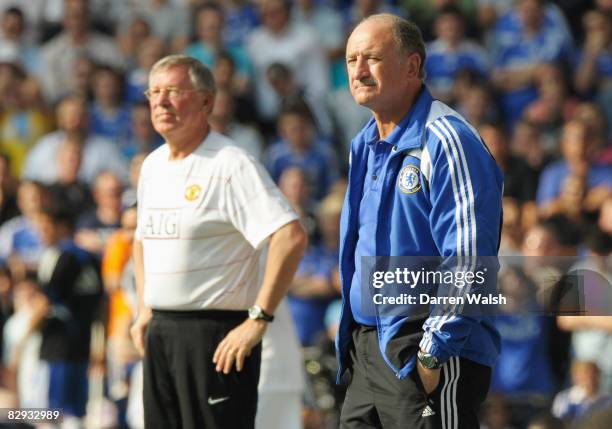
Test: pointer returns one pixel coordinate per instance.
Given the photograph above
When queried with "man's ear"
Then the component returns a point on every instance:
(209, 101)
(414, 65)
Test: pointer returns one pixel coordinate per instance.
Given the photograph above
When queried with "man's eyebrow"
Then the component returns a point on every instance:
(365, 52)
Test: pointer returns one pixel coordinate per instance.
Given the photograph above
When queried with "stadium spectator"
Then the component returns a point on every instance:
(526, 38)
(546, 421)
(8, 189)
(21, 344)
(210, 22)
(329, 25)
(130, 41)
(129, 194)
(551, 107)
(313, 289)
(109, 114)
(142, 137)
(326, 21)
(592, 331)
(20, 245)
(117, 273)
(223, 121)
(287, 89)
(523, 372)
(512, 230)
(14, 41)
(477, 104)
(240, 19)
(605, 216)
(496, 413)
(94, 228)
(168, 20)
(294, 185)
(150, 51)
(451, 52)
(594, 65)
(73, 288)
(300, 146)
(99, 154)
(577, 160)
(224, 73)
(69, 191)
(22, 122)
(297, 46)
(84, 68)
(525, 143)
(59, 55)
(597, 127)
(360, 9)
(33, 12)
(519, 181)
(583, 397)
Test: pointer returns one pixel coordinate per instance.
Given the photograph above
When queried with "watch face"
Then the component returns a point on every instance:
(429, 361)
(254, 312)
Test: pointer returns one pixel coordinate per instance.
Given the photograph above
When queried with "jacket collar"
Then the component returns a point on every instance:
(407, 134)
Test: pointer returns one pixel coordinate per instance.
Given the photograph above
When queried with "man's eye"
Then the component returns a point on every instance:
(172, 92)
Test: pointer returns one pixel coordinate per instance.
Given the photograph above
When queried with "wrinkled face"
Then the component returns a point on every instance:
(181, 112)
(379, 77)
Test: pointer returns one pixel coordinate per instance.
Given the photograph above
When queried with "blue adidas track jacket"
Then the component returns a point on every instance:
(455, 213)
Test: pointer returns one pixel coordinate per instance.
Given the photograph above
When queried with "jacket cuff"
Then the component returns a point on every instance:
(430, 344)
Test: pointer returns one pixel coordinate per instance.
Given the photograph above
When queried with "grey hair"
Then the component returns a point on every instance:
(200, 75)
(407, 36)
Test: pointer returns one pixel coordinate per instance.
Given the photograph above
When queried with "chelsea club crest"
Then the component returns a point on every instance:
(409, 179)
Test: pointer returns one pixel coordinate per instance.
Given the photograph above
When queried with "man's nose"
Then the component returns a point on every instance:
(361, 69)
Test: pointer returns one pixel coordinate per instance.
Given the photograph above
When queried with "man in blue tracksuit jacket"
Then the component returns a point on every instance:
(421, 184)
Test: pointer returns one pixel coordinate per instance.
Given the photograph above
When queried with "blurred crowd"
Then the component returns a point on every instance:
(534, 77)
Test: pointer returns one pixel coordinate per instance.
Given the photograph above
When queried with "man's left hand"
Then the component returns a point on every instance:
(237, 345)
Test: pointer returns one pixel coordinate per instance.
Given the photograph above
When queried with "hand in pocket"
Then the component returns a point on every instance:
(429, 377)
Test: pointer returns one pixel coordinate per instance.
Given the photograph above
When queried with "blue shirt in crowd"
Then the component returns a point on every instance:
(553, 177)
(443, 63)
(318, 163)
(514, 50)
(523, 366)
(309, 313)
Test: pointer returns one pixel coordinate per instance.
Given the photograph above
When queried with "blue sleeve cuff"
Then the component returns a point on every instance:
(430, 344)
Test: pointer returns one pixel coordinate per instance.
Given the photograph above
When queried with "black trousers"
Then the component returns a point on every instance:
(376, 398)
(182, 389)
